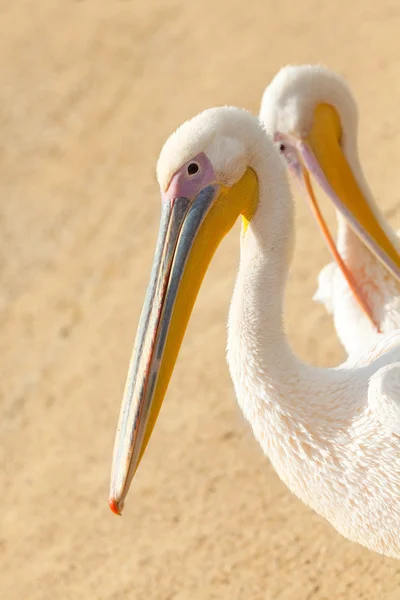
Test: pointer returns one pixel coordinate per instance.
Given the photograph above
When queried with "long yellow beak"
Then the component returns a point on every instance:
(190, 232)
(323, 157)
(351, 281)
(320, 155)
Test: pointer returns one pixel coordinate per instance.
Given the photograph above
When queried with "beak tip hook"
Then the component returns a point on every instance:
(113, 504)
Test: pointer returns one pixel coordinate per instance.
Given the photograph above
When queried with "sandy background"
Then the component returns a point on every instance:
(89, 90)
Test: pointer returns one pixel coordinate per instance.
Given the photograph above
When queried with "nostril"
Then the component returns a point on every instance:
(193, 168)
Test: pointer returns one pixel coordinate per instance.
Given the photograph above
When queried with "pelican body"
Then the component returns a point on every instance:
(331, 434)
(313, 108)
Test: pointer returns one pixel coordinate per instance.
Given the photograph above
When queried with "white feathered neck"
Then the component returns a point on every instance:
(314, 424)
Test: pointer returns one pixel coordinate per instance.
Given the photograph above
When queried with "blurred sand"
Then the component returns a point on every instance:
(89, 91)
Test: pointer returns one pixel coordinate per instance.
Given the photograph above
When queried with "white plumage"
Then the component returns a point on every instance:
(287, 106)
(382, 291)
(321, 428)
(329, 433)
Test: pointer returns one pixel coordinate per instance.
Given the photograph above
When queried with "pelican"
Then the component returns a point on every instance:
(313, 117)
(331, 434)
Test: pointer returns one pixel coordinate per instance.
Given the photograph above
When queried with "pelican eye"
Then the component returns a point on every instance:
(193, 168)
(282, 148)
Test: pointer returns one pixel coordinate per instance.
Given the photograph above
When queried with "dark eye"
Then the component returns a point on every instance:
(282, 148)
(193, 168)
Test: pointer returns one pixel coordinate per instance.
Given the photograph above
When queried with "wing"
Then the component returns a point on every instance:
(384, 397)
(324, 293)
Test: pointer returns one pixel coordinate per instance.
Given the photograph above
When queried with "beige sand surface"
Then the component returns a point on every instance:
(89, 90)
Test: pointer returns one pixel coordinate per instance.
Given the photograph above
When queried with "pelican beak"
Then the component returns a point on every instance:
(190, 232)
(322, 156)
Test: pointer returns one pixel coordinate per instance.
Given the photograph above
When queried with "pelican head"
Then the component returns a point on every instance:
(206, 182)
(312, 116)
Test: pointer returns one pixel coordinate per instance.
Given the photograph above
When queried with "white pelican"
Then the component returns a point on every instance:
(313, 117)
(331, 434)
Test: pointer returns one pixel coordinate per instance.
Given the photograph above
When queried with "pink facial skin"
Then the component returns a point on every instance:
(285, 147)
(188, 182)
